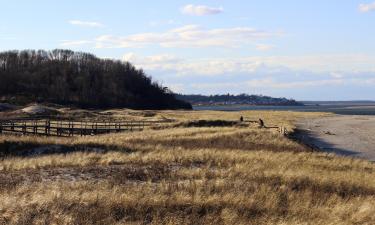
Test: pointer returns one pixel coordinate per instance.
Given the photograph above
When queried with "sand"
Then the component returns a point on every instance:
(39, 110)
(341, 134)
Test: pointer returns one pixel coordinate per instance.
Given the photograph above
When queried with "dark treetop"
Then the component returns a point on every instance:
(82, 79)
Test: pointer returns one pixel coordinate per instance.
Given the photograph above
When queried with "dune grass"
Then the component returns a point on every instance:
(184, 175)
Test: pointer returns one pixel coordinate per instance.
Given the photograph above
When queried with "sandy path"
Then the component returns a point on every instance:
(344, 135)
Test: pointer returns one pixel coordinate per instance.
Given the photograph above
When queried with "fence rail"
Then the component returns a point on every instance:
(70, 128)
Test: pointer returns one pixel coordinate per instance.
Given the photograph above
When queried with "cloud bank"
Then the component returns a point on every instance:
(333, 65)
(200, 10)
(311, 77)
(189, 36)
(367, 7)
(85, 23)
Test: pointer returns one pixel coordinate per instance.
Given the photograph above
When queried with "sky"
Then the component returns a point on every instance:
(305, 50)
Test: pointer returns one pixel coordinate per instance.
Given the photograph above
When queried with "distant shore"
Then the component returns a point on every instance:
(342, 108)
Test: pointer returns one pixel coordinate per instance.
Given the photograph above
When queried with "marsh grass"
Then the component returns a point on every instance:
(184, 175)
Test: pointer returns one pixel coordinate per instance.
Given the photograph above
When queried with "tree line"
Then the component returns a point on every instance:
(82, 79)
(237, 99)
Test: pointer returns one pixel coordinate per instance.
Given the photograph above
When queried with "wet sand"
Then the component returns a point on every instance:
(343, 135)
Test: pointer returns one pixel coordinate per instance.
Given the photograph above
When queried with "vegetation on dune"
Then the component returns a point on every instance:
(185, 175)
(67, 77)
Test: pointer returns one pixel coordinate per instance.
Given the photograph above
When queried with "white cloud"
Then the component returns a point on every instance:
(130, 57)
(177, 87)
(85, 23)
(266, 83)
(154, 59)
(367, 7)
(201, 10)
(333, 66)
(272, 83)
(337, 75)
(68, 43)
(264, 47)
(292, 76)
(155, 23)
(167, 62)
(322, 63)
(165, 58)
(210, 86)
(188, 36)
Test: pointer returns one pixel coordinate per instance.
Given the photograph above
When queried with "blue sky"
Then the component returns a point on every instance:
(307, 50)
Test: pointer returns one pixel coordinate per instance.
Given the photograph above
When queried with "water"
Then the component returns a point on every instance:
(338, 108)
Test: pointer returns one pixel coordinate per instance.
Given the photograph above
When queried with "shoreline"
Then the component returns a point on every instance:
(343, 135)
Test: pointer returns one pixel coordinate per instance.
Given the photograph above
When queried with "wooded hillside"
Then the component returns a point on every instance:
(82, 79)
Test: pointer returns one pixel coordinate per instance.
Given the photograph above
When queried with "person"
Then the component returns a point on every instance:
(261, 123)
(241, 118)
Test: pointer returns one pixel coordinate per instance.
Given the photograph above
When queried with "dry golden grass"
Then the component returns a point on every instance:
(181, 175)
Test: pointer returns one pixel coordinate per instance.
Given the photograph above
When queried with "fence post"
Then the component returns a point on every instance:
(283, 130)
(24, 128)
(49, 127)
(46, 128)
(58, 130)
(72, 129)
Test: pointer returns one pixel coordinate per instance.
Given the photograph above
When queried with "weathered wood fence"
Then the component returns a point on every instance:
(281, 129)
(68, 128)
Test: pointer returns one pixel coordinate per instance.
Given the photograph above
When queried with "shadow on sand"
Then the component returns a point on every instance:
(308, 138)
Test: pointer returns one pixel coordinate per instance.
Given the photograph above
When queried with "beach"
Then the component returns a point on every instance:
(348, 135)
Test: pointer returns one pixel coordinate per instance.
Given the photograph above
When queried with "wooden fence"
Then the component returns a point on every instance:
(49, 127)
(69, 128)
(281, 129)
